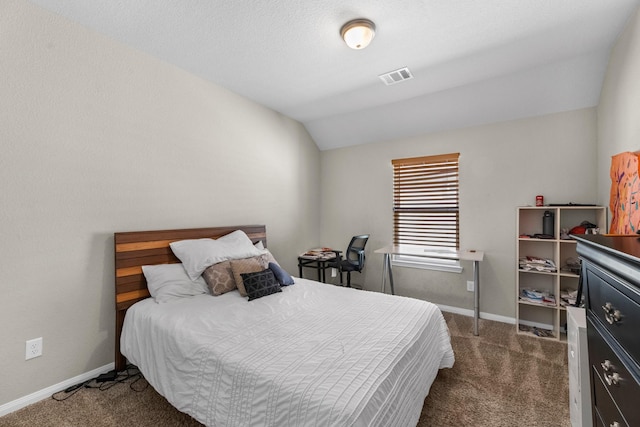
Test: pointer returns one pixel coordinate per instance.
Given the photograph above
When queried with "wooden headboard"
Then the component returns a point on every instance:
(133, 249)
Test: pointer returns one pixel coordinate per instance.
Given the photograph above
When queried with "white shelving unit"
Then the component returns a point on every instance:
(549, 317)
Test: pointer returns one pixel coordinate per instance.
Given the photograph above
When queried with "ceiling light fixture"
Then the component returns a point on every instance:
(357, 34)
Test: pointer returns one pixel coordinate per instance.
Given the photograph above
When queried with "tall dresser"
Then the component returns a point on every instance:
(611, 284)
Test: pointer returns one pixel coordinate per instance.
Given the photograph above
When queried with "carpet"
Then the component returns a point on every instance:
(499, 379)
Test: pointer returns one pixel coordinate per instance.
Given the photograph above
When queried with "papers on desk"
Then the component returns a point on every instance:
(320, 254)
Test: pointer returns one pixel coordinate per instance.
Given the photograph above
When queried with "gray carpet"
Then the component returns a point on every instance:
(499, 379)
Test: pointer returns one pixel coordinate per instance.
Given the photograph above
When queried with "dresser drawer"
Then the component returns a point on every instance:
(606, 409)
(621, 385)
(611, 279)
(617, 311)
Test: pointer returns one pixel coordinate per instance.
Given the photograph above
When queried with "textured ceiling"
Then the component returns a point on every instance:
(473, 61)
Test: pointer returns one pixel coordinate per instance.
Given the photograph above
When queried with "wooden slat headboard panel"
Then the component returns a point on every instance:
(133, 249)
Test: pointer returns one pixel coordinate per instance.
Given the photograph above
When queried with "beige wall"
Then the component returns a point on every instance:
(502, 166)
(619, 107)
(97, 138)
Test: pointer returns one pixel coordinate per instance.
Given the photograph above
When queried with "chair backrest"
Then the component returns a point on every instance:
(355, 251)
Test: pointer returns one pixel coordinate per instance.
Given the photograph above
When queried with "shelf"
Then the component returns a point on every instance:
(532, 239)
(565, 274)
(549, 273)
(536, 304)
(561, 252)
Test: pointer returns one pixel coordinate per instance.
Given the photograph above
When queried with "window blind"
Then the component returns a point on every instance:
(425, 201)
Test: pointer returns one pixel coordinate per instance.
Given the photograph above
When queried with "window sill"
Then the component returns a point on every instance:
(428, 264)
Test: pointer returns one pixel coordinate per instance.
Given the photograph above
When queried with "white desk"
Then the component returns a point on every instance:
(466, 255)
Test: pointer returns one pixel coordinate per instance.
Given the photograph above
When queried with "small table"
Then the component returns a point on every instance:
(317, 259)
(468, 255)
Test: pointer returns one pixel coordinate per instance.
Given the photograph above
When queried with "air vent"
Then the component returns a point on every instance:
(396, 76)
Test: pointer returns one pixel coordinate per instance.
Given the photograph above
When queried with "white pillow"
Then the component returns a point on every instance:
(259, 246)
(199, 254)
(167, 282)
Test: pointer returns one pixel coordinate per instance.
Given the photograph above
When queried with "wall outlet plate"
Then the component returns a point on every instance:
(33, 348)
(470, 285)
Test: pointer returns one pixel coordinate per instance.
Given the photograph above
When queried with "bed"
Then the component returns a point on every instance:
(311, 354)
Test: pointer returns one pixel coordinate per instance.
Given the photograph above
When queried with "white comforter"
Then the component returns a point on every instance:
(313, 355)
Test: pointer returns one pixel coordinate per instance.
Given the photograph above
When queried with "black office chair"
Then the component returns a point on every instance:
(354, 258)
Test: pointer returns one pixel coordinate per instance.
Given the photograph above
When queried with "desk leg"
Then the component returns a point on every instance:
(390, 270)
(476, 297)
(384, 272)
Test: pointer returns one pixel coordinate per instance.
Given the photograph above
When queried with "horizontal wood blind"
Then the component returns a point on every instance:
(425, 201)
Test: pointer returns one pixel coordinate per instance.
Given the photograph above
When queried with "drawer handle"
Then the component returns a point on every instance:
(610, 314)
(615, 424)
(612, 379)
(606, 365)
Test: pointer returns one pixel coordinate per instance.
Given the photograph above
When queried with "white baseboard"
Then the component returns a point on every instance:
(45, 393)
(504, 319)
(469, 313)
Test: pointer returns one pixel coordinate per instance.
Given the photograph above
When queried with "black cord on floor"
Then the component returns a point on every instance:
(131, 374)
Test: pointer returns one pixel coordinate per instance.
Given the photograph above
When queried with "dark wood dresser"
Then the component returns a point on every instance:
(611, 285)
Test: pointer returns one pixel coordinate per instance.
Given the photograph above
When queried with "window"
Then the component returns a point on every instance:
(425, 208)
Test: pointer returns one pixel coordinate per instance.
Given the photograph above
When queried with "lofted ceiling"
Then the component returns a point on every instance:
(473, 61)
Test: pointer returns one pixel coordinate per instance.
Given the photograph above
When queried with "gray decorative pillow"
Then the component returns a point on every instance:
(246, 265)
(260, 284)
(219, 278)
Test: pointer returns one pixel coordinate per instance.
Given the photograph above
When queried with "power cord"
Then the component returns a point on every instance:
(103, 382)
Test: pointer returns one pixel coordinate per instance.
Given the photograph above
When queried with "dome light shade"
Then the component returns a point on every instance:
(357, 34)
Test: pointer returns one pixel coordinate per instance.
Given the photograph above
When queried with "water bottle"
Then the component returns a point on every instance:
(547, 223)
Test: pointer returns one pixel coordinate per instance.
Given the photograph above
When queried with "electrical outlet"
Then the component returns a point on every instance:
(34, 348)
(470, 285)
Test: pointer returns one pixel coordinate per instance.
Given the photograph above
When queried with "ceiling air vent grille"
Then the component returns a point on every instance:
(396, 76)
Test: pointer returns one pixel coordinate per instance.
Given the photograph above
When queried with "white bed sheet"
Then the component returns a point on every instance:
(313, 355)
